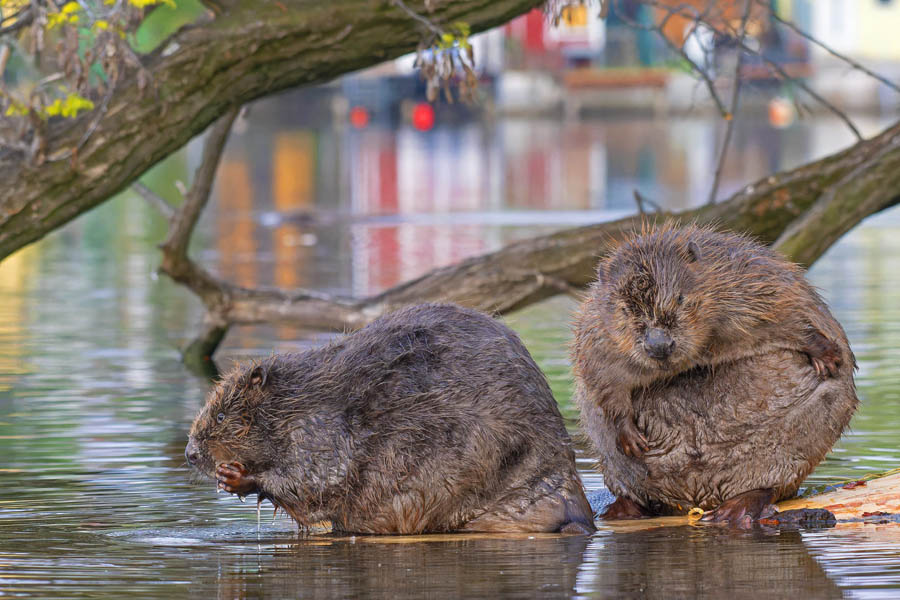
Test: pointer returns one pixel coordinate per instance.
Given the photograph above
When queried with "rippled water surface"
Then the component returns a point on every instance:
(94, 403)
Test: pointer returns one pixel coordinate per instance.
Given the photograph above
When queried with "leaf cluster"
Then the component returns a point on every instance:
(60, 59)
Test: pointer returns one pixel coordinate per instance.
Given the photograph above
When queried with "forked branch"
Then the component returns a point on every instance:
(819, 201)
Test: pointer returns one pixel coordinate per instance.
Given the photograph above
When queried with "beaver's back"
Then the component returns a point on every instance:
(440, 361)
(760, 422)
(455, 427)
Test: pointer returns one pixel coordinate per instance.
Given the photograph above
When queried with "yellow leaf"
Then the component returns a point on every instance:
(101, 24)
(70, 7)
(16, 109)
(54, 109)
(145, 3)
(55, 19)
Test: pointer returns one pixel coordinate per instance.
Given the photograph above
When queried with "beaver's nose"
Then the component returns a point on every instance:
(191, 454)
(658, 343)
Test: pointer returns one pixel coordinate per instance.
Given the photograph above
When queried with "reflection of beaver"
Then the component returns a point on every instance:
(709, 373)
(434, 418)
(708, 563)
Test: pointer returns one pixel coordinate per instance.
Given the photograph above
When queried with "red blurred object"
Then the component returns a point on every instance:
(423, 116)
(359, 117)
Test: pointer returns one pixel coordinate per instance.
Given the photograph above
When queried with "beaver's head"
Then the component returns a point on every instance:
(234, 424)
(659, 315)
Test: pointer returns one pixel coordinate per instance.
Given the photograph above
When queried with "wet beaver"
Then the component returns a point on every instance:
(709, 373)
(431, 419)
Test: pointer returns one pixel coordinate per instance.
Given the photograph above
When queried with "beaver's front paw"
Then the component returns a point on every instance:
(235, 479)
(824, 355)
(630, 440)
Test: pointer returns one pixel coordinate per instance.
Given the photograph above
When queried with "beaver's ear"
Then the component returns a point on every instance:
(693, 251)
(609, 269)
(259, 376)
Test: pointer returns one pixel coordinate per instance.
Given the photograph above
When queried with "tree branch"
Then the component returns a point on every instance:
(154, 199)
(23, 19)
(658, 28)
(732, 112)
(185, 218)
(253, 50)
(688, 11)
(869, 188)
(795, 207)
(175, 260)
(843, 57)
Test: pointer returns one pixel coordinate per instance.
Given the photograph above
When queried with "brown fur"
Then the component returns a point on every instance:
(758, 386)
(434, 418)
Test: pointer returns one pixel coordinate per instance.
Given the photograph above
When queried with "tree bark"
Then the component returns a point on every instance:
(256, 48)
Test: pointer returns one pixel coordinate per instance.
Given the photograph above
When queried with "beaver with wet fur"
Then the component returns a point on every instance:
(431, 419)
(709, 373)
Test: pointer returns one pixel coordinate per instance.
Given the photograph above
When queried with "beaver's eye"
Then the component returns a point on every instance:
(220, 417)
(680, 299)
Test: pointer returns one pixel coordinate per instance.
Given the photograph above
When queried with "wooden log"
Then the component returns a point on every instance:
(855, 500)
(849, 503)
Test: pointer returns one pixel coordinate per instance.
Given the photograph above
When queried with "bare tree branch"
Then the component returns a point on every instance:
(832, 195)
(154, 199)
(640, 200)
(658, 28)
(843, 57)
(802, 85)
(185, 219)
(5, 52)
(688, 11)
(427, 23)
(732, 112)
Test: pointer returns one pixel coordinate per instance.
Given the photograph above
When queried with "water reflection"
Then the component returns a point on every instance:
(398, 202)
(95, 405)
(708, 562)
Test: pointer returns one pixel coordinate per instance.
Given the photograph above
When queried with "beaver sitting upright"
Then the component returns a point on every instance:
(431, 419)
(709, 373)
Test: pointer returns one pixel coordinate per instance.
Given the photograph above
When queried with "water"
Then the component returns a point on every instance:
(94, 403)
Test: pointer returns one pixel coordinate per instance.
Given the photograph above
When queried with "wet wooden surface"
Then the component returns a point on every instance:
(851, 504)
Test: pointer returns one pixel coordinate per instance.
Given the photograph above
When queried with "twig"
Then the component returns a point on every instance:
(417, 17)
(834, 109)
(154, 199)
(856, 65)
(185, 219)
(735, 96)
(685, 11)
(641, 200)
(5, 52)
(658, 28)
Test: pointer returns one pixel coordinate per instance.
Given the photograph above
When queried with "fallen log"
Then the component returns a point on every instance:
(871, 499)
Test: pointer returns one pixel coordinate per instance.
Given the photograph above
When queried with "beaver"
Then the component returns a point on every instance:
(709, 373)
(433, 418)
